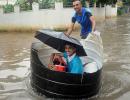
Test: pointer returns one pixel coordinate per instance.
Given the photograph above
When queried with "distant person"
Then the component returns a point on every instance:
(84, 18)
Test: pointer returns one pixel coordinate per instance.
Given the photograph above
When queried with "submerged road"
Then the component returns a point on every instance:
(15, 62)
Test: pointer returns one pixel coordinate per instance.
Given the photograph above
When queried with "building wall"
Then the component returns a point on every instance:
(48, 18)
(110, 11)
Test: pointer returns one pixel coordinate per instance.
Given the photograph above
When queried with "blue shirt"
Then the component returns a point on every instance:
(84, 21)
(75, 65)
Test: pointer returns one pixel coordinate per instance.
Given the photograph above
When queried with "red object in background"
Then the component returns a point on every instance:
(60, 68)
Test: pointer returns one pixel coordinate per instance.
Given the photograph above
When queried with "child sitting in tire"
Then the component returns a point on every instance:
(57, 62)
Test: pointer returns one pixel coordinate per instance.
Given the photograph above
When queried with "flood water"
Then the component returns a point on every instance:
(15, 63)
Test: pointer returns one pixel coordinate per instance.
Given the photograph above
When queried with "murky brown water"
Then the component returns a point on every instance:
(15, 62)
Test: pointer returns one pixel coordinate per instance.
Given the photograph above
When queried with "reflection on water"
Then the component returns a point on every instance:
(15, 63)
(116, 73)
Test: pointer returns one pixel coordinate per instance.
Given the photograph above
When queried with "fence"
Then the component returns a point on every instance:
(58, 17)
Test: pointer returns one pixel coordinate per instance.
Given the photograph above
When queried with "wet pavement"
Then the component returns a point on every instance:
(15, 62)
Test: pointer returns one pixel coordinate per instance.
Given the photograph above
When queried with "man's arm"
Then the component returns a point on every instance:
(93, 23)
(92, 19)
(70, 29)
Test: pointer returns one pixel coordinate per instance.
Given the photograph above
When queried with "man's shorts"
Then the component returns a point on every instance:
(83, 36)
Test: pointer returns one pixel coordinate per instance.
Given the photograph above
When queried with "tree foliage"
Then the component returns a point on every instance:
(27, 4)
(126, 2)
(46, 4)
(103, 1)
(24, 4)
(8, 8)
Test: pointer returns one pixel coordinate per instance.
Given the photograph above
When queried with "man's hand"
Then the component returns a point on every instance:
(67, 34)
(70, 29)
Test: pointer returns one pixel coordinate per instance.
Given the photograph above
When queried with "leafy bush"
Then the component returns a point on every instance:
(8, 8)
(107, 1)
(25, 7)
(122, 10)
(46, 4)
(24, 4)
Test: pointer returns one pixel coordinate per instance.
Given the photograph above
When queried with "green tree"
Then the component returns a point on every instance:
(24, 5)
(107, 1)
(45, 4)
(126, 2)
(8, 8)
(103, 1)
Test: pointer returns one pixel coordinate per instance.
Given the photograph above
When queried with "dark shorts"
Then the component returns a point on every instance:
(83, 36)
